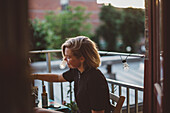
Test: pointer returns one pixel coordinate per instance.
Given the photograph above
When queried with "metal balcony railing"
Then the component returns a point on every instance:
(128, 87)
(110, 81)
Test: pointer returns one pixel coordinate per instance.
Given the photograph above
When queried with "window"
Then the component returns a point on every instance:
(64, 4)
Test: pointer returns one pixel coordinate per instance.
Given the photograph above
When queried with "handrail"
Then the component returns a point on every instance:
(104, 53)
(132, 86)
(45, 51)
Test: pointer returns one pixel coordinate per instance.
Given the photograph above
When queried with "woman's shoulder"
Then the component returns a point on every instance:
(73, 70)
(96, 77)
(95, 73)
(70, 73)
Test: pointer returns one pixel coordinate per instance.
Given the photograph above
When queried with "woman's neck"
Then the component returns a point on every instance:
(81, 68)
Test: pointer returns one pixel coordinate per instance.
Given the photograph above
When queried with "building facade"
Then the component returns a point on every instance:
(38, 8)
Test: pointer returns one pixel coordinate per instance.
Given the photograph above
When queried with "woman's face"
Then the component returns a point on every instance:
(71, 60)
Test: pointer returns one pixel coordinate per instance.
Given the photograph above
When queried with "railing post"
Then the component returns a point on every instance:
(61, 92)
(112, 86)
(136, 101)
(70, 93)
(128, 104)
(50, 84)
(120, 93)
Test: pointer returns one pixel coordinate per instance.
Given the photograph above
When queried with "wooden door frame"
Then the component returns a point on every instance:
(156, 96)
(166, 55)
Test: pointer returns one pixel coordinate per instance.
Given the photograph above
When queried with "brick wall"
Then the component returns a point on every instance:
(92, 7)
(38, 8)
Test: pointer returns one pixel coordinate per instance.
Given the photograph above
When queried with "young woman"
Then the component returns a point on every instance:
(90, 86)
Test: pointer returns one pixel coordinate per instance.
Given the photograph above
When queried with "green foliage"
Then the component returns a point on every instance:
(125, 25)
(38, 39)
(69, 23)
(73, 106)
(51, 32)
(132, 27)
(55, 28)
(109, 29)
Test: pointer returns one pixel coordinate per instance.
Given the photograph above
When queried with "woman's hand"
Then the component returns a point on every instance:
(34, 76)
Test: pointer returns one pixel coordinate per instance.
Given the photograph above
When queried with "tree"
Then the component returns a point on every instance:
(131, 28)
(126, 24)
(68, 23)
(39, 33)
(109, 29)
(51, 32)
(39, 38)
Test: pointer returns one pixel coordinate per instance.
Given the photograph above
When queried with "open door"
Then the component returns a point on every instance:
(156, 79)
(157, 51)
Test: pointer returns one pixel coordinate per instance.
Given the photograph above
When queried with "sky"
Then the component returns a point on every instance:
(125, 3)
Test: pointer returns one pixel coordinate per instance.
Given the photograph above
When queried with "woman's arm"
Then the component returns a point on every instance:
(50, 77)
(43, 110)
(102, 111)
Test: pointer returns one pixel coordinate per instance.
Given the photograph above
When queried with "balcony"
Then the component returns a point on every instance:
(110, 62)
